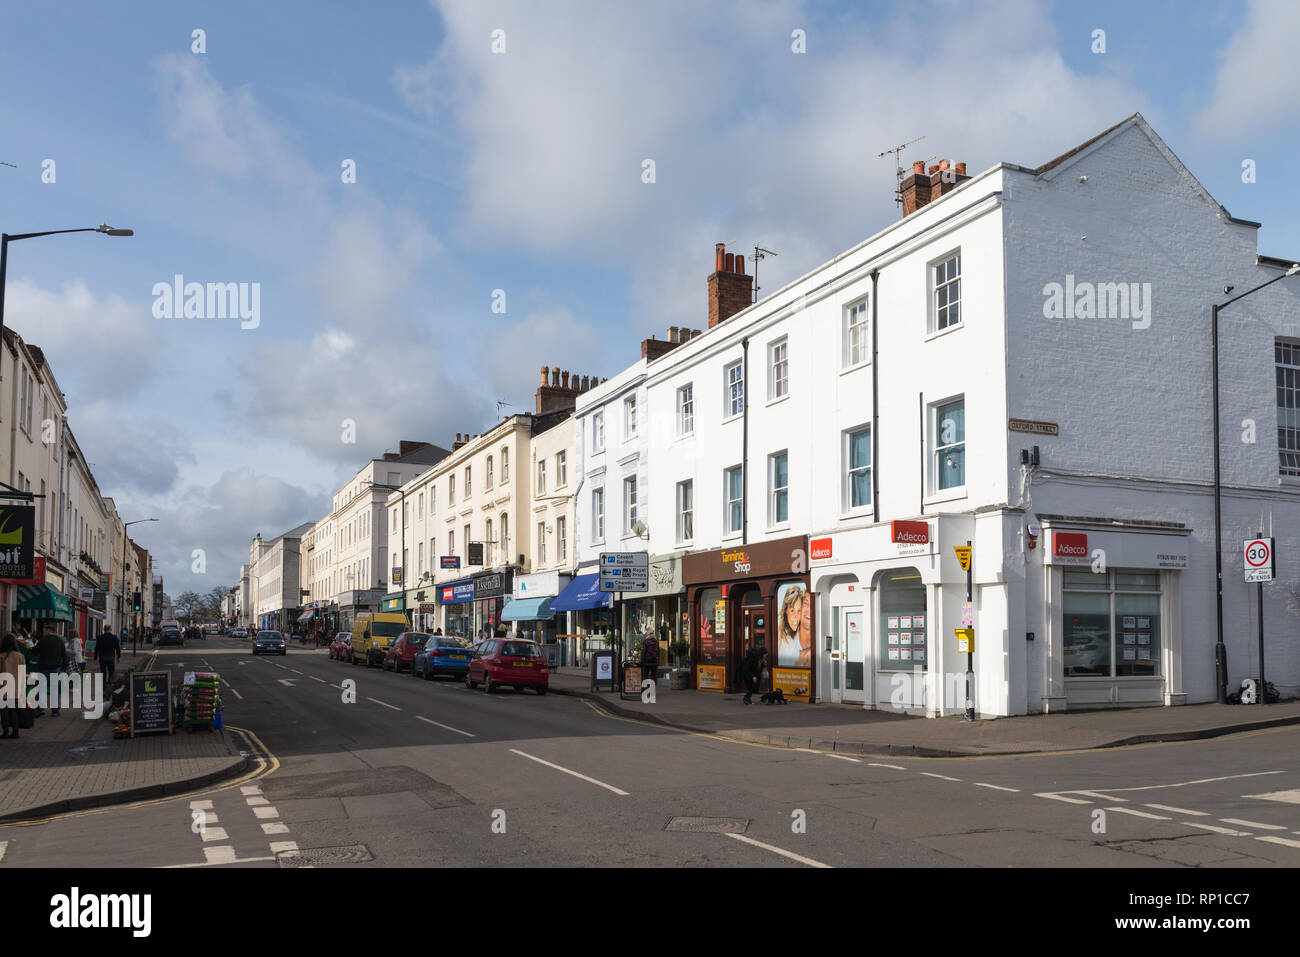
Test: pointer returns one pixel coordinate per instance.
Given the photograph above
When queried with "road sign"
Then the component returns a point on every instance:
(965, 639)
(963, 556)
(1258, 560)
(624, 571)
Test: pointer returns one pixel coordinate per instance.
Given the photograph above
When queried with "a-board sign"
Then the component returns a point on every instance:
(151, 702)
(602, 671)
(632, 681)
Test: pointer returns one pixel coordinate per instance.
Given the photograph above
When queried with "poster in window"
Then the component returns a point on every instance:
(893, 654)
(1143, 622)
(918, 621)
(794, 626)
(893, 637)
(1130, 621)
(1130, 654)
(907, 654)
(892, 621)
(1144, 654)
(918, 638)
(906, 622)
(905, 638)
(1130, 638)
(1144, 638)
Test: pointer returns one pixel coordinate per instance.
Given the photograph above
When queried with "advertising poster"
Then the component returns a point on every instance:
(794, 683)
(17, 541)
(918, 638)
(1130, 638)
(893, 637)
(1130, 654)
(918, 621)
(794, 626)
(1144, 638)
(893, 621)
(893, 654)
(1144, 654)
(1143, 622)
(905, 638)
(907, 654)
(710, 677)
(1130, 621)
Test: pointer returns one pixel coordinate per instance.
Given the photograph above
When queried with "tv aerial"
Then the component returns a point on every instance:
(759, 253)
(898, 166)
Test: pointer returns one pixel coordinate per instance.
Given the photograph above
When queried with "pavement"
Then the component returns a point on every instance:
(69, 762)
(852, 729)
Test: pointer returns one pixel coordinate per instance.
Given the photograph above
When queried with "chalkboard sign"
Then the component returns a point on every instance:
(151, 702)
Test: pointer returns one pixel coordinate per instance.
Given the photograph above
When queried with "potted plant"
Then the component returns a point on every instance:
(680, 677)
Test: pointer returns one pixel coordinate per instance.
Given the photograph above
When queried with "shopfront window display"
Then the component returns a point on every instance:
(794, 626)
(1112, 623)
(904, 632)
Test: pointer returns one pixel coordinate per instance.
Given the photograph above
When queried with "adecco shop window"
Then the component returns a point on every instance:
(1112, 623)
(904, 624)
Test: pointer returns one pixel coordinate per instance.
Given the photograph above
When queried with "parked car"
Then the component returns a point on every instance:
(171, 636)
(402, 650)
(239, 633)
(508, 661)
(269, 642)
(341, 647)
(443, 655)
(372, 632)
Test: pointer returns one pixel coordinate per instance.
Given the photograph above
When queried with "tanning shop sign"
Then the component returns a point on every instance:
(17, 541)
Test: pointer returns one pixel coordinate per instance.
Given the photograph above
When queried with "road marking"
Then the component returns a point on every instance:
(280, 847)
(842, 757)
(213, 834)
(1129, 810)
(3, 845)
(235, 693)
(295, 671)
(287, 682)
(233, 860)
(1289, 797)
(275, 827)
(265, 812)
(608, 787)
(385, 704)
(421, 717)
(219, 855)
(1218, 830)
(257, 801)
(1280, 840)
(997, 787)
(1099, 796)
(1057, 797)
(251, 789)
(1254, 824)
(321, 680)
(776, 850)
(931, 774)
(892, 767)
(1178, 810)
(1183, 784)
(200, 805)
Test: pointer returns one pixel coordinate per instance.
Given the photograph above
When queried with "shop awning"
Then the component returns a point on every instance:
(528, 609)
(43, 603)
(583, 593)
(307, 615)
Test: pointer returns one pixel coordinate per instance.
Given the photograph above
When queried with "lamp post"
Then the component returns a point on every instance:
(7, 238)
(135, 638)
(1220, 649)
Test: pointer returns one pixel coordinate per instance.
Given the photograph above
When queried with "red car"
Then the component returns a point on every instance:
(401, 650)
(508, 661)
(341, 647)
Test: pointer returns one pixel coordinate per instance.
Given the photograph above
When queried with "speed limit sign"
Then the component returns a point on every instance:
(1258, 560)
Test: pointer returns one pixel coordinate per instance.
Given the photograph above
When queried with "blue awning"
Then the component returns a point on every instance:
(583, 593)
(528, 609)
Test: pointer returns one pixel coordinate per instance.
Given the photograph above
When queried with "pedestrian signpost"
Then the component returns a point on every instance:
(1257, 559)
(966, 635)
(620, 572)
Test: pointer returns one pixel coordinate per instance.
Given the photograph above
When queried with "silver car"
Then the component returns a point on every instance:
(269, 642)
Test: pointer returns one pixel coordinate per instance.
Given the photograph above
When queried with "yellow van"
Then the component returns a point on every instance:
(372, 634)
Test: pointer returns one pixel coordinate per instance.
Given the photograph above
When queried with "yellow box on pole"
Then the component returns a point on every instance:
(965, 639)
(963, 556)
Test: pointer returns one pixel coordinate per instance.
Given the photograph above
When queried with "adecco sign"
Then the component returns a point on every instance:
(1119, 548)
(1070, 548)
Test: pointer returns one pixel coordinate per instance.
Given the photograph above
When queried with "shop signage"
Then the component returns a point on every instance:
(1258, 560)
(17, 541)
(106, 582)
(428, 608)
(475, 553)
(456, 593)
(632, 681)
(1032, 427)
(758, 560)
(1070, 548)
(450, 561)
(820, 549)
(794, 683)
(602, 671)
(86, 595)
(539, 584)
(665, 576)
(710, 677)
(720, 617)
(909, 533)
(38, 574)
(100, 602)
(397, 576)
(151, 702)
(490, 586)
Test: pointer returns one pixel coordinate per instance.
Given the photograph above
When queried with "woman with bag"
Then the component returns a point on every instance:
(11, 660)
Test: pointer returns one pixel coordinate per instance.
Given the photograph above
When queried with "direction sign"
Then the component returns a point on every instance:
(1258, 560)
(963, 556)
(624, 571)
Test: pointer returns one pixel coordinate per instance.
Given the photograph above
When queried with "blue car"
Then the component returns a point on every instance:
(443, 655)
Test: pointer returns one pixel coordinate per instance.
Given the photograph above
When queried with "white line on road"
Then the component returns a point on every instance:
(251, 789)
(1099, 796)
(1254, 824)
(1178, 810)
(944, 777)
(842, 757)
(235, 693)
(274, 827)
(1057, 797)
(233, 860)
(214, 834)
(1146, 814)
(3, 845)
(280, 847)
(321, 680)
(266, 812)
(200, 805)
(1218, 830)
(776, 850)
(1280, 840)
(1288, 797)
(997, 787)
(421, 717)
(219, 855)
(295, 671)
(892, 767)
(256, 800)
(384, 703)
(608, 787)
(1183, 784)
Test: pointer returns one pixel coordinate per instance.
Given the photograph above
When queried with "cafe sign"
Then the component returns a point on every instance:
(17, 541)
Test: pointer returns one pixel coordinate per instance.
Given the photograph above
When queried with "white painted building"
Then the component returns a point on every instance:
(891, 395)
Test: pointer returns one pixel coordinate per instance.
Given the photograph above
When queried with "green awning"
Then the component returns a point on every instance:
(43, 603)
(528, 609)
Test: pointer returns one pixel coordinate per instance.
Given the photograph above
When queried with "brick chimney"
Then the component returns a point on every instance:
(559, 391)
(653, 348)
(730, 289)
(925, 186)
(460, 441)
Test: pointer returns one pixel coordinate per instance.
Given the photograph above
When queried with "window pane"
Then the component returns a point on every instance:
(860, 489)
(1137, 581)
(1076, 578)
(859, 449)
(952, 467)
(1137, 634)
(1086, 641)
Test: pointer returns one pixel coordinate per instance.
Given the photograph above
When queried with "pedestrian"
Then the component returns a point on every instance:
(751, 669)
(52, 655)
(12, 664)
(650, 657)
(107, 651)
(76, 660)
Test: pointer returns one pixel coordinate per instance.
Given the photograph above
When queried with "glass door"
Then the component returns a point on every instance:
(835, 654)
(854, 657)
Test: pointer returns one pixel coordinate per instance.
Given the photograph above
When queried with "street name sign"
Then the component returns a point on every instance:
(624, 571)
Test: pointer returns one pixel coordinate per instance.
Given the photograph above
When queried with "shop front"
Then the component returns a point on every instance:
(530, 613)
(456, 602)
(749, 596)
(352, 603)
(394, 604)
(491, 592)
(422, 608)
(590, 615)
(661, 610)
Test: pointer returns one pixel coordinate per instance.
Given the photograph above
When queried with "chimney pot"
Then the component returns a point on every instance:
(555, 376)
(545, 372)
(945, 164)
(564, 380)
(934, 169)
(918, 167)
(961, 169)
(731, 262)
(674, 334)
(719, 252)
(740, 263)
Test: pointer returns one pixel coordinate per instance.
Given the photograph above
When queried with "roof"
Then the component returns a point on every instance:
(1052, 164)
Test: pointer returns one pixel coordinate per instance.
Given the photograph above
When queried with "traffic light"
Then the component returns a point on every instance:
(137, 600)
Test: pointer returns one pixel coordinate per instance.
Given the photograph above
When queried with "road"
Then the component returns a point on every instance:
(408, 772)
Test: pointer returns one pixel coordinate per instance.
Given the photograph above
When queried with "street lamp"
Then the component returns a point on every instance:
(135, 638)
(6, 239)
(1220, 649)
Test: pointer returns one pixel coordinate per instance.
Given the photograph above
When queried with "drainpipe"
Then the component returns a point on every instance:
(875, 406)
(920, 419)
(744, 447)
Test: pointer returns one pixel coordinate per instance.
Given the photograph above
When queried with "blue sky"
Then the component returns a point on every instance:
(518, 171)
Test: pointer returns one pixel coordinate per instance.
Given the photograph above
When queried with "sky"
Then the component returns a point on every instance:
(511, 167)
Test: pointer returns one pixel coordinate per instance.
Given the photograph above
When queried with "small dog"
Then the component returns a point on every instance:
(774, 697)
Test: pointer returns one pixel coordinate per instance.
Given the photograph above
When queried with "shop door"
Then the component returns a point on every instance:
(854, 656)
(754, 635)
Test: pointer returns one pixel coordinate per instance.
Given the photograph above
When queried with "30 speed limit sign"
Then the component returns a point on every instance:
(1259, 560)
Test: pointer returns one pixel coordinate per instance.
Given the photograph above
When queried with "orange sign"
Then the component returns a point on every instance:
(795, 683)
(632, 681)
(710, 677)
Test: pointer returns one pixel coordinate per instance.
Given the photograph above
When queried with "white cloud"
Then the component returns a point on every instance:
(1257, 85)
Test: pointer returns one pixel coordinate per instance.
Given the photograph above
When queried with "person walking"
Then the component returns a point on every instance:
(107, 650)
(52, 656)
(76, 660)
(751, 669)
(650, 657)
(12, 664)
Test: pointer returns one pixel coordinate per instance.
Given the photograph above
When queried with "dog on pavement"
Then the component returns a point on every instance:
(774, 697)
